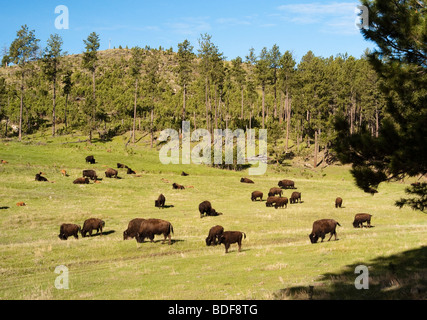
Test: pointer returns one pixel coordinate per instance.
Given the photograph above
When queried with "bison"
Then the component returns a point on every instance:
(130, 171)
(177, 186)
(121, 166)
(287, 184)
(91, 174)
(295, 197)
(323, 227)
(205, 207)
(257, 194)
(111, 173)
(68, 230)
(81, 181)
(92, 224)
(275, 191)
(133, 229)
(246, 180)
(271, 201)
(230, 237)
(151, 227)
(184, 174)
(338, 202)
(40, 178)
(160, 202)
(214, 234)
(90, 159)
(281, 202)
(360, 218)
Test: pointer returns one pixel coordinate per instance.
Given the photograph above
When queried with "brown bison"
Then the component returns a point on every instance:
(271, 201)
(92, 224)
(275, 191)
(246, 180)
(295, 197)
(177, 186)
(40, 178)
(111, 173)
(206, 208)
(121, 166)
(160, 202)
(281, 202)
(133, 229)
(214, 234)
(68, 230)
(361, 218)
(130, 171)
(151, 227)
(230, 237)
(257, 194)
(90, 159)
(91, 174)
(287, 184)
(184, 174)
(81, 181)
(338, 203)
(323, 227)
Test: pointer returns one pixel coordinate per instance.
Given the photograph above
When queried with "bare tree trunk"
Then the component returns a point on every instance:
(377, 123)
(242, 115)
(54, 109)
(184, 102)
(65, 111)
(134, 110)
(21, 107)
(151, 127)
(288, 104)
(316, 148)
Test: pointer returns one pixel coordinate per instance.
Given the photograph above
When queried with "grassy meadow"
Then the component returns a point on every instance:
(277, 261)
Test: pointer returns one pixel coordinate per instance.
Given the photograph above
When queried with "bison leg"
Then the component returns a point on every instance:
(227, 246)
(240, 245)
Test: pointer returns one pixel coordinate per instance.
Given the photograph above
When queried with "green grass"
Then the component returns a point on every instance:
(277, 261)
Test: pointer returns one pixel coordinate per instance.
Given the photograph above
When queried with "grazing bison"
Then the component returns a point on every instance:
(81, 181)
(111, 173)
(90, 159)
(281, 202)
(133, 229)
(323, 227)
(271, 201)
(205, 207)
(360, 218)
(214, 234)
(246, 180)
(295, 197)
(40, 178)
(230, 237)
(338, 203)
(130, 171)
(91, 174)
(275, 191)
(287, 184)
(151, 227)
(177, 186)
(160, 202)
(68, 230)
(257, 194)
(92, 224)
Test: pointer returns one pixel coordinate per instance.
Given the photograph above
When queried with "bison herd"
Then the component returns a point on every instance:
(141, 229)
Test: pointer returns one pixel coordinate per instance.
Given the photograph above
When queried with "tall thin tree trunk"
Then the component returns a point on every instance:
(288, 104)
(316, 148)
(377, 123)
(134, 110)
(184, 102)
(151, 127)
(54, 108)
(242, 115)
(65, 111)
(263, 106)
(21, 108)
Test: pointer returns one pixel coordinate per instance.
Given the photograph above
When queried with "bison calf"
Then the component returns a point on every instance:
(214, 234)
(230, 237)
(323, 227)
(160, 202)
(338, 203)
(361, 218)
(133, 229)
(177, 186)
(257, 194)
(92, 224)
(68, 230)
(151, 227)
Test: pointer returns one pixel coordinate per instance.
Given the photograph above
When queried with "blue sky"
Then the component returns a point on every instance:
(325, 27)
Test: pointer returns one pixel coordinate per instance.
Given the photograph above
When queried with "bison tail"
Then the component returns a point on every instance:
(338, 224)
(244, 234)
(170, 228)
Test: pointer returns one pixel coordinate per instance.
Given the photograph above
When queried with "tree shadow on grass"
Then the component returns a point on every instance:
(401, 276)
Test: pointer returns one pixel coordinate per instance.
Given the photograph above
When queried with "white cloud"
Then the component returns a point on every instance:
(190, 26)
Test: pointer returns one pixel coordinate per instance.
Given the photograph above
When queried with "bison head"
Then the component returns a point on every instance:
(313, 238)
(125, 235)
